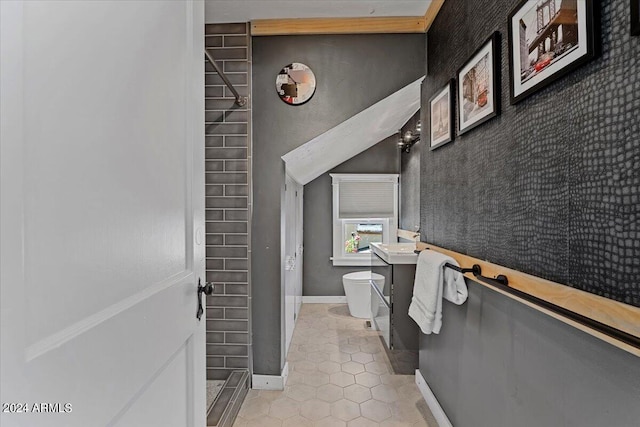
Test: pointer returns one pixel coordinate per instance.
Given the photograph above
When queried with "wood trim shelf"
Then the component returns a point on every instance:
(614, 314)
(365, 25)
(301, 26)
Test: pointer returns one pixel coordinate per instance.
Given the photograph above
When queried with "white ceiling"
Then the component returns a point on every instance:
(353, 136)
(219, 11)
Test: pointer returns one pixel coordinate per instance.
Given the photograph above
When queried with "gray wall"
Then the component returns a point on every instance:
(410, 180)
(549, 187)
(499, 363)
(321, 278)
(353, 72)
(227, 203)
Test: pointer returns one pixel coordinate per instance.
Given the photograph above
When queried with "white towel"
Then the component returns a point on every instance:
(433, 282)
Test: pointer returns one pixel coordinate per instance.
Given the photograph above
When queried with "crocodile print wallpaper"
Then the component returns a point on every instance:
(551, 186)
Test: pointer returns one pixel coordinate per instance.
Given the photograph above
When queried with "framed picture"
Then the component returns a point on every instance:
(479, 86)
(635, 17)
(442, 116)
(547, 40)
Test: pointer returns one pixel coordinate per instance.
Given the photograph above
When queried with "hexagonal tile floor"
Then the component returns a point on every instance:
(339, 375)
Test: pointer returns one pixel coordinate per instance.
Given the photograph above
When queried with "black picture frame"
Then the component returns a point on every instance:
(446, 95)
(469, 94)
(560, 49)
(635, 17)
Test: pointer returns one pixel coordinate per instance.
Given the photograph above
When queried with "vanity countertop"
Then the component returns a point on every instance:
(396, 253)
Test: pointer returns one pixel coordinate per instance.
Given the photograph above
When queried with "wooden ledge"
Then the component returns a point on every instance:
(365, 25)
(432, 12)
(623, 317)
(308, 26)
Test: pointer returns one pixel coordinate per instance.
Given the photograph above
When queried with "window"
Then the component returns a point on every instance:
(359, 235)
(365, 211)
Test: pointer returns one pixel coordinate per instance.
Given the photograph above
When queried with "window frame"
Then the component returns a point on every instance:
(389, 224)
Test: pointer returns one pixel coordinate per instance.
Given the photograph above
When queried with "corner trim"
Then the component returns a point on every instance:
(432, 402)
(324, 300)
(431, 13)
(271, 382)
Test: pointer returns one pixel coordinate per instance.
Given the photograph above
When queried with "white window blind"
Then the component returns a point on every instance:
(366, 199)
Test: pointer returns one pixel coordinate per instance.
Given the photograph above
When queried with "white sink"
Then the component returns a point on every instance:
(396, 253)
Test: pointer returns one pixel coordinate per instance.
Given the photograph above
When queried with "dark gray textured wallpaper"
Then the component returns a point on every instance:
(551, 186)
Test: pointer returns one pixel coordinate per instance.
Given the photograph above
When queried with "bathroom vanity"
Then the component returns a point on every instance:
(390, 308)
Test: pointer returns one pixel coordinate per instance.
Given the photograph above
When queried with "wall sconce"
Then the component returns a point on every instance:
(409, 138)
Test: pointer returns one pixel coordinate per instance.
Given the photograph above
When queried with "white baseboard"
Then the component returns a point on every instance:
(432, 402)
(271, 382)
(285, 374)
(325, 300)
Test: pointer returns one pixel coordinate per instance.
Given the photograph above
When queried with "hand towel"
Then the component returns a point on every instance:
(434, 281)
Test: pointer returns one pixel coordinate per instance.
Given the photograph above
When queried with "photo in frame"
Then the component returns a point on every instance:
(547, 40)
(635, 17)
(442, 117)
(478, 91)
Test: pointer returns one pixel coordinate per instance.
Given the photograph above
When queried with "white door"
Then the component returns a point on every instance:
(299, 247)
(289, 261)
(292, 258)
(102, 216)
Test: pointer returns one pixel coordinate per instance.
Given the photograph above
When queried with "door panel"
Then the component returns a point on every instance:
(102, 145)
(300, 247)
(101, 181)
(290, 272)
(143, 411)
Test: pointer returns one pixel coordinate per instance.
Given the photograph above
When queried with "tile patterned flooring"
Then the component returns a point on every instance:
(339, 375)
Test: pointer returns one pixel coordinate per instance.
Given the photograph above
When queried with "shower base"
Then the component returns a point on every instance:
(223, 410)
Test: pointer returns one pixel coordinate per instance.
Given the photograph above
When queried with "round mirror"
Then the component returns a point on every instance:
(295, 83)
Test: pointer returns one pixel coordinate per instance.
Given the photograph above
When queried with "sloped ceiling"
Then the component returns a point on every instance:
(220, 11)
(353, 136)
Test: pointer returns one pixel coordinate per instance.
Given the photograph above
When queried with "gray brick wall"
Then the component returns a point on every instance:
(228, 201)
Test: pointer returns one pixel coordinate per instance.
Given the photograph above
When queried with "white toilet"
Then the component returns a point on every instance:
(358, 292)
